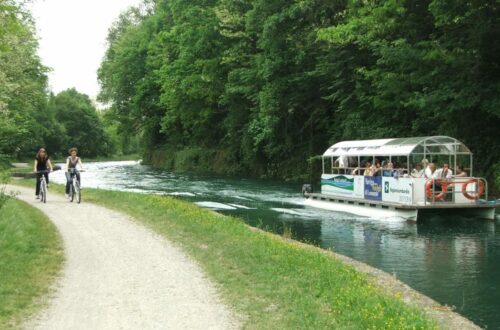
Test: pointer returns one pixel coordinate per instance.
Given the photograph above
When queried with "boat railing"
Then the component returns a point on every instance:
(360, 170)
(458, 190)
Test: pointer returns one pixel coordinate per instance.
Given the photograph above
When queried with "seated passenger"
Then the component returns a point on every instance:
(417, 172)
(396, 173)
(376, 169)
(460, 173)
(443, 172)
(386, 168)
(368, 170)
(429, 170)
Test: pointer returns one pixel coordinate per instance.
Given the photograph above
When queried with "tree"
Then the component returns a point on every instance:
(83, 127)
(23, 81)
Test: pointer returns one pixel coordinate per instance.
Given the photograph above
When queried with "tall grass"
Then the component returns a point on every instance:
(30, 257)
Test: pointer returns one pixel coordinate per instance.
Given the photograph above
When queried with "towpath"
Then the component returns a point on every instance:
(119, 275)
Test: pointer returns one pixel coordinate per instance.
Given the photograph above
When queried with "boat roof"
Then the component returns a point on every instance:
(425, 145)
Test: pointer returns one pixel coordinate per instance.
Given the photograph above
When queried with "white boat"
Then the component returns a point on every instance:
(400, 190)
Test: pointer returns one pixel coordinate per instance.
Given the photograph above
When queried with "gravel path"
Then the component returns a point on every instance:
(119, 275)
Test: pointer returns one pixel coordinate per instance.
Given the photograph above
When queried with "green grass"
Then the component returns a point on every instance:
(275, 283)
(31, 256)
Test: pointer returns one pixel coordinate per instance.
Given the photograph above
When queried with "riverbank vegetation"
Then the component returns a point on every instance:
(259, 87)
(274, 283)
(31, 255)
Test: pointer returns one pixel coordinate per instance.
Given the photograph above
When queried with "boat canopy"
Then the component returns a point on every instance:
(427, 145)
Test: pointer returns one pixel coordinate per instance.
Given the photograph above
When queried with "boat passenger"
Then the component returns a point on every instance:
(417, 172)
(395, 173)
(387, 168)
(343, 164)
(376, 169)
(425, 163)
(429, 170)
(368, 170)
(460, 173)
(443, 172)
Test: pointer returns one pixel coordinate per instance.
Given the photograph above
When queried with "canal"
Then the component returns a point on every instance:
(454, 260)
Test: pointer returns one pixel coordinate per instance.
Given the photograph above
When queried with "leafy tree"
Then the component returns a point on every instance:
(23, 81)
(127, 78)
(191, 76)
(82, 125)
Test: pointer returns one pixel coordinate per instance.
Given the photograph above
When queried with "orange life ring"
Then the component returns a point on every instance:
(429, 189)
(480, 189)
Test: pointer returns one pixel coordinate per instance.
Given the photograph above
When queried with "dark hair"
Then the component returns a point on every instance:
(72, 149)
(40, 151)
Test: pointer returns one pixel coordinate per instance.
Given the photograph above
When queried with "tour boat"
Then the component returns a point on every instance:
(381, 178)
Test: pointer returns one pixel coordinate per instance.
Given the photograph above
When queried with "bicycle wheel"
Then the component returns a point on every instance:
(78, 193)
(43, 192)
(71, 192)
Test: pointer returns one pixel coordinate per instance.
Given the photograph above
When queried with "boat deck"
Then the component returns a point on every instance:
(419, 206)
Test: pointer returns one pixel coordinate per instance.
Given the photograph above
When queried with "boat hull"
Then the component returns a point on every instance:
(381, 210)
(367, 210)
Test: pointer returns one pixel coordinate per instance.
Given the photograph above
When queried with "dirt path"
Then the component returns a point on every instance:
(119, 275)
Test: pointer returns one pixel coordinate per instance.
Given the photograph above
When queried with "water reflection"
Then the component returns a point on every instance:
(454, 260)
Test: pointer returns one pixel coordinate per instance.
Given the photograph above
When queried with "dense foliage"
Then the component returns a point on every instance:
(23, 80)
(260, 86)
(79, 124)
(30, 118)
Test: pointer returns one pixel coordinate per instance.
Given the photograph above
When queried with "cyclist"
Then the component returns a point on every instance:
(42, 163)
(71, 163)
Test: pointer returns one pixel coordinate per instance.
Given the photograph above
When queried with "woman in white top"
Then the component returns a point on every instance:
(443, 172)
(71, 164)
(417, 172)
(429, 170)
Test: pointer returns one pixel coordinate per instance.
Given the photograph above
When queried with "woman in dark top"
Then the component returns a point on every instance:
(42, 163)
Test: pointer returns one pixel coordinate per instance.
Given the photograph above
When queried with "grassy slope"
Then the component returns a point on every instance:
(275, 283)
(31, 256)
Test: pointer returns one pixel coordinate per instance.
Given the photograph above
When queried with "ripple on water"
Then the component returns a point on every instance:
(215, 206)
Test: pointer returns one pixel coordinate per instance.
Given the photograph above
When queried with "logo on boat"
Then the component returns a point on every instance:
(340, 181)
(373, 187)
(386, 187)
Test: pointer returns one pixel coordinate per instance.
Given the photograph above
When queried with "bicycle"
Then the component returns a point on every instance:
(43, 186)
(74, 186)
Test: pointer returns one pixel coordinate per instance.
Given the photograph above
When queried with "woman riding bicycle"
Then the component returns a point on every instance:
(42, 163)
(71, 163)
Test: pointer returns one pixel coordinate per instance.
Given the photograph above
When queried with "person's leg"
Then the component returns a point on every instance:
(37, 189)
(68, 180)
(46, 178)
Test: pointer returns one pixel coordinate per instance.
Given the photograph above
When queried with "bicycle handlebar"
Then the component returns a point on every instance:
(74, 170)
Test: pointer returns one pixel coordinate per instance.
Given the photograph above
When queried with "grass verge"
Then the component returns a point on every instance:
(276, 283)
(31, 256)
